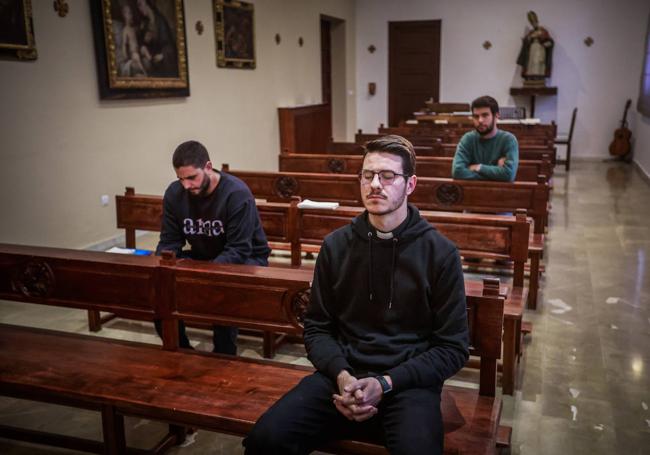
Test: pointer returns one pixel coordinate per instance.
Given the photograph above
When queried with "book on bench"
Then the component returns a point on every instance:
(309, 204)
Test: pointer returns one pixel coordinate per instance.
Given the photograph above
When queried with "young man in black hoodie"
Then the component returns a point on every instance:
(216, 214)
(386, 325)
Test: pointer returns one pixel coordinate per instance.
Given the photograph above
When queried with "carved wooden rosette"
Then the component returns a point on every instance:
(298, 307)
(285, 187)
(449, 194)
(336, 166)
(34, 279)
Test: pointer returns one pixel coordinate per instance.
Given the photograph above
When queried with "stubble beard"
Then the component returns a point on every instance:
(489, 129)
(391, 208)
(203, 189)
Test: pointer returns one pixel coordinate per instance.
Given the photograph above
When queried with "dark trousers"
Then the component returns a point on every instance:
(408, 422)
(224, 339)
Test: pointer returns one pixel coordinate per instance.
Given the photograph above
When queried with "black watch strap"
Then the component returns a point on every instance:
(385, 386)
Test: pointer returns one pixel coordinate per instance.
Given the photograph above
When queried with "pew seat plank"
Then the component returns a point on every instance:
(191, 389)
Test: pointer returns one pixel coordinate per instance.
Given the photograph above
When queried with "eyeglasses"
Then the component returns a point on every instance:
(366, 176)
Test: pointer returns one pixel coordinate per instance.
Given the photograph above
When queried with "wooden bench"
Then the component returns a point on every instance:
(521, 130)
(427, 166)
(431, 193)
(121, 378)
(476, 236)
(446, 146)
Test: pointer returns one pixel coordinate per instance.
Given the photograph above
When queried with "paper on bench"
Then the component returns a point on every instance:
(521, 121)
(308, 204)
(118, 250)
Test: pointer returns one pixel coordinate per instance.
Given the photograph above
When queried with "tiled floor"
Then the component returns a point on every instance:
(584, 385)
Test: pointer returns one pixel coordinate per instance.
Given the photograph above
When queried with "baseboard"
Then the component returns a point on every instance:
(642, 172)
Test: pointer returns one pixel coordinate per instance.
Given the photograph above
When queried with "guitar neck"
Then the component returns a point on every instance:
(627, 106)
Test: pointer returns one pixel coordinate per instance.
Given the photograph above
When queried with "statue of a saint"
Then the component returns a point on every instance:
(536, 55)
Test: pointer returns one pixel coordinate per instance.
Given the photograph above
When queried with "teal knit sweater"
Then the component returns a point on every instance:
(486, 152)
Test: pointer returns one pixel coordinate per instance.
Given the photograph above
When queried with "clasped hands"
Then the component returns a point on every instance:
(357, 398)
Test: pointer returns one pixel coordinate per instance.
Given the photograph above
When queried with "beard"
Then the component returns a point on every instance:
(487, 129)
(392, 205)
(203, 189)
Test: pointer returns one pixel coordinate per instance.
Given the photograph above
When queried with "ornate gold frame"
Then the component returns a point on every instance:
(23, 51)
(224, 61)
(111, 84)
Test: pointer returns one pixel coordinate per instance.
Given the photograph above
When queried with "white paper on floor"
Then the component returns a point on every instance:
(560, 306)
(644, 406)
(141, 423)
(599, 427)
(612, 300)
(647, 421)
(574, 411)
(561, 320)
(191, 439)
(613, 326)
(574, 392)
(573, 357)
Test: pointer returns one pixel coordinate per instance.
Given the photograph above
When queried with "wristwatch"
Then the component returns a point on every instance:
(386, 388)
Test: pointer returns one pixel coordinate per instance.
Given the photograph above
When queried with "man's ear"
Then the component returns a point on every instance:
(411, 183)
(208, 166)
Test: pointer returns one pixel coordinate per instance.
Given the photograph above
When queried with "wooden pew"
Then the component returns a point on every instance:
(121, 378)
(445, 145)
(476, 236)
(431, 193)
(523, 130)
(427, 166)
(353, 148)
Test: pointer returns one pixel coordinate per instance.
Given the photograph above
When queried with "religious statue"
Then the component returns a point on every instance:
(535, 57)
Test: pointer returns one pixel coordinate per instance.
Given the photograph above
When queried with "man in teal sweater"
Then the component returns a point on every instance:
(486, 153)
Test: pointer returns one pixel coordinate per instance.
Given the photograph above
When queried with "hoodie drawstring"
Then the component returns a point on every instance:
(392, 273)
(392, 269)
(370, 264)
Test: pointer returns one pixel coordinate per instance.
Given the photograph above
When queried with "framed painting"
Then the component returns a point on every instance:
(235, 34)
(140, 48)
(17, 30)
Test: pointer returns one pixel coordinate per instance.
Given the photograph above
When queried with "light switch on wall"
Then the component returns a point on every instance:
(104, 199)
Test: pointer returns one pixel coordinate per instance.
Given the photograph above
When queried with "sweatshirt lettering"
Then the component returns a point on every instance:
(207, 228)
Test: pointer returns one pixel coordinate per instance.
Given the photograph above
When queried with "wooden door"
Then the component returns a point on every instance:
(326, 59)
(413, 67)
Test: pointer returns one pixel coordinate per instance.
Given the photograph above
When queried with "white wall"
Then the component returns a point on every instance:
(596, 79)
(61, 147)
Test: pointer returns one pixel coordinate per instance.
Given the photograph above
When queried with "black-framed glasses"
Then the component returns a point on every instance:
(386, 177)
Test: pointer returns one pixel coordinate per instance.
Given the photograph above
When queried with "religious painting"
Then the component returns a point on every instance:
(17, 30)
(235, 34)
(140, 48)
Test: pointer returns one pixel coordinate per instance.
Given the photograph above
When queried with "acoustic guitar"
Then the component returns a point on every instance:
(621, 146)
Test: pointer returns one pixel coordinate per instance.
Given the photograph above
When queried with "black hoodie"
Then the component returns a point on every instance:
(388, 306)
(223, 227)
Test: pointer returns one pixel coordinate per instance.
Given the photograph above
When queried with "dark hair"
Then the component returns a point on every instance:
(190, 153)
(395, 145)
(486, 101)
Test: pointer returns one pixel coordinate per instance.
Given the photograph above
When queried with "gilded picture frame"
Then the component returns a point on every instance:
(17, 30)
(235, 34)
(140, 47)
